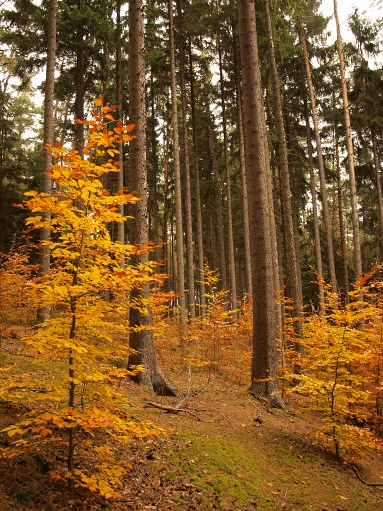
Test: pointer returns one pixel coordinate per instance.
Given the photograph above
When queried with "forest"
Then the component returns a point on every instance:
(191, 195)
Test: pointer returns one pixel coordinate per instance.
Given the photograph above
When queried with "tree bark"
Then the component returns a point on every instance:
(188, 201)
(201, 261)
(232, 273)
(292, 256)
(350, 151)
(177, 182)
(322, 175)
(242, 165)
(120, 176)
(48, 138)
(317, 241)
(264, 361)
(217, 199)
(141, 336)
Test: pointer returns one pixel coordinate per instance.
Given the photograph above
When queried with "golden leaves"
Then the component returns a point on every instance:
(73, 383)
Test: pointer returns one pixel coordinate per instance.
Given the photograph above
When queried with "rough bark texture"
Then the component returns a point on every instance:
(322, 176)
(292, 256)
(264, 364)
(141, 340)
(350, 152)
(48, 138)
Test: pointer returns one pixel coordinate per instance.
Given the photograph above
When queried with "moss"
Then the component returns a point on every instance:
(216, 466)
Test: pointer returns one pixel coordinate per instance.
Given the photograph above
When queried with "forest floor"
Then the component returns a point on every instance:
(230, 453)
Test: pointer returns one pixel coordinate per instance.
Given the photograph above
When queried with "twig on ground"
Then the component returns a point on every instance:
(255, 406)
(224, 416)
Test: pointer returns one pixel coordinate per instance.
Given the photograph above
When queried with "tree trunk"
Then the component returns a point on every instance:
(264, 362)
(242, 165)
(233, 279)
(350, 152)
(201, 261)
(188, 202)
(177, 181)
(217, 199)
(48, 138)
(378, 190)
(322, 175)
(317, 242)
(342, 233)
(80, 83)
(292, 256)
(120, 175)
(141, 339)
(155, 220)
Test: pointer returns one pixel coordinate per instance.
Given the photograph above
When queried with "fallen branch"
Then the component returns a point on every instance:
(362, 480)
(173, 409)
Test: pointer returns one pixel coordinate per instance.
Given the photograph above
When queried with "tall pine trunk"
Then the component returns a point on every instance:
(200, 247)
(231, 253)
(177, 180)
(264, 362)
(188, 201)
(120, 176)
(342, 232)
(48, 138)
(322, 175)
(317, 241)
(350, 151)
(141, 336)
(242, 165)
(292, 256)
(217, 199)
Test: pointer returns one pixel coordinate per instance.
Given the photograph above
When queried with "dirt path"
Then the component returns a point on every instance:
(230, 453)
(241, 456)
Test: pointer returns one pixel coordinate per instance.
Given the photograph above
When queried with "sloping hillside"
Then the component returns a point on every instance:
(224, 450)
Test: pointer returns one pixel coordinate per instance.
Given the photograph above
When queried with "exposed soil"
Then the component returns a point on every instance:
(230, 453)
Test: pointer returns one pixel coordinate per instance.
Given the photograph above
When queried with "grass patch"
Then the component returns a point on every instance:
(218, 467)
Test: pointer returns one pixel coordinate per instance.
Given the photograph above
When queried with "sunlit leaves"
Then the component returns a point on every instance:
(72, 386)
(340, 366)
